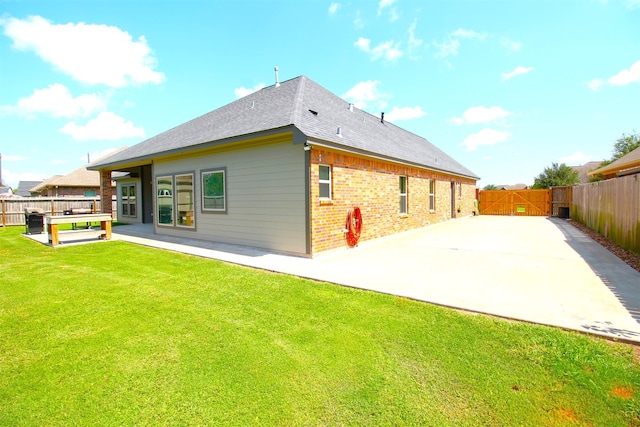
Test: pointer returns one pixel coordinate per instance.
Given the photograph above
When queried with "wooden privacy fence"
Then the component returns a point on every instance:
(12, 210)
(515, 202)
(612, 208)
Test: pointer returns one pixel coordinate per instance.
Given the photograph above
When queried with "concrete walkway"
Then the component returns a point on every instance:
(536, 269)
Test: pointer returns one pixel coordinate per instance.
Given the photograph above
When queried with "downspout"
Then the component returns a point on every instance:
(307, 197)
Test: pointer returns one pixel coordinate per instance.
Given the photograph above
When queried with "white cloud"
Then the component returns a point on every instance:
(633, 4)
(57, 101)
(451, 46)
(510, 45)
(358, 21)
(480, 114)
(363, 44)
(383, 4)
(577, 158)
(13, 158)
(485, 137)
(413, 42)
(107, 126)
(395, 15)
(94, 54)
(13, 178)
(447, 48)
(387, 50)
(366, 93)
(333, 8)
(243, 91)
(594, 84)
(516, 72)
(624, 77)
(468, 34)
(405, 113)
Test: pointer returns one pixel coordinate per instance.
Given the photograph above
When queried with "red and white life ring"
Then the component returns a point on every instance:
(353, 226)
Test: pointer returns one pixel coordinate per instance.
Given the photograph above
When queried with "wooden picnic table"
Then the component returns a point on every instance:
(52, 223)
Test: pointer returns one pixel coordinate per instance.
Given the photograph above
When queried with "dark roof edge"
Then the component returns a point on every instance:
(347, 149)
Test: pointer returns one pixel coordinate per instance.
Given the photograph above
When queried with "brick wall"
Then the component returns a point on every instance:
(373, 186)
(106, 191)
(67, 191)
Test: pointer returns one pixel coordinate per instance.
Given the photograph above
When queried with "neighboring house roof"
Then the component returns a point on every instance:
(583, 170)
(6, 191)
(81, 177)
(513, 187)
(78, 178)
(25, 186)
(305, 105)
(627, 164)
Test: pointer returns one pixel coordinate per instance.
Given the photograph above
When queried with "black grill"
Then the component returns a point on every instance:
(34, 220)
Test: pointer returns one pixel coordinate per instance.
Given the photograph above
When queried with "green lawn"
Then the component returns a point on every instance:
(118, 334)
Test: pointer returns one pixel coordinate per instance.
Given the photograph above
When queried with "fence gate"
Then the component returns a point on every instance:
(515, 202)
(561, 201)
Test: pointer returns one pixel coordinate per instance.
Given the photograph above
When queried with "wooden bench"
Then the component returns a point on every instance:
(53, 222)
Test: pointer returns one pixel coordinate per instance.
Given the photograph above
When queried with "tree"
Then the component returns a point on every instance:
(623, 146)
(490, 187)
(556, 176)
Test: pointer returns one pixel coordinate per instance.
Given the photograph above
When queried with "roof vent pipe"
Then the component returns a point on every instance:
(351, 107)
(339, 131)
(382, 117)
(277, 79)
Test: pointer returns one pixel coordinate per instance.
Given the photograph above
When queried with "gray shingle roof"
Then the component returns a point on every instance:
(312, 109)
(25, 186)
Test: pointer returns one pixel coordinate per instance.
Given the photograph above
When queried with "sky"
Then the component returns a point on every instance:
(504, 87)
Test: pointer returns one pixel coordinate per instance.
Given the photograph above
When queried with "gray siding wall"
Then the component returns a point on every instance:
(265, 191)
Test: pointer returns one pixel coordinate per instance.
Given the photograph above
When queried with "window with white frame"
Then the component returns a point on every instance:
(214, 191)
(128, 199)
(164, 186)
(432, 194)
(184, 200)
(324, 182)
(403, 194)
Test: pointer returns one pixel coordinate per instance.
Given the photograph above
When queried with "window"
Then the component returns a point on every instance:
(213, 191)
(128, 198)
(325, 182)
(432, 194)
(184, 200)
(403, 194)
(164, 185)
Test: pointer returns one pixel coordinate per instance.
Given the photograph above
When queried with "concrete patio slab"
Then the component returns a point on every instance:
(536, 269)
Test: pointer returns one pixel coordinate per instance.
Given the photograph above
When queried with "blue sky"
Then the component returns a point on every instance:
(504, 87)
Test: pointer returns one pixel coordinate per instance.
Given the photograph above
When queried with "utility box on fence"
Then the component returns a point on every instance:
(34, 220)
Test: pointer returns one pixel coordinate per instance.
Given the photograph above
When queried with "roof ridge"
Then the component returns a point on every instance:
(296, 113)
